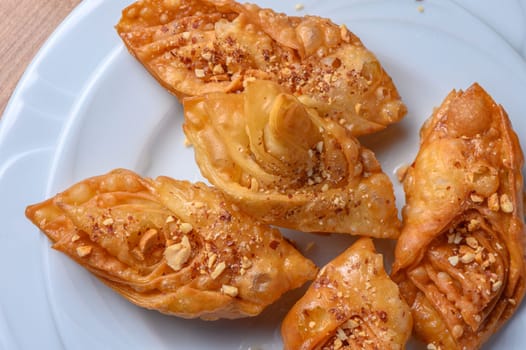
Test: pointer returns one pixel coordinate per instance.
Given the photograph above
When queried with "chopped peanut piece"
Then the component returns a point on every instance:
(505, 204)
(229, 290)
(178, 254)
(493, 202)
(84, 250)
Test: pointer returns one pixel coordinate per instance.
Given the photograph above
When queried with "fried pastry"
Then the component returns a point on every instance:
(460, 257)
(193, 47)
(352, 304)
(282, 163)
(172, 246)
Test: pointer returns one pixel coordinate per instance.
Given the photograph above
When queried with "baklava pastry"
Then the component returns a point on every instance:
(282, 163)
(193, 47)
(171, 246)
(460, 257)
(352, 304)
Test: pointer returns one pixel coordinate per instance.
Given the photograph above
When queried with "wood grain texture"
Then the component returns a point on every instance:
(24, 27)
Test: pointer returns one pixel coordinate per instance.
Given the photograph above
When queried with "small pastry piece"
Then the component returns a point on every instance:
(352, 304)
(193, 47)
(282, 163)
(460, 258)
(172, 246)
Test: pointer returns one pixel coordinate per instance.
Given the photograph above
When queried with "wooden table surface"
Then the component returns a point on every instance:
(25, 25)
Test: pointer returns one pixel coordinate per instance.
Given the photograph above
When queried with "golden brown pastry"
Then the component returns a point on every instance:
(460, 258)
(193, 47)
(282, 163)
(352, 304)
(172, 246)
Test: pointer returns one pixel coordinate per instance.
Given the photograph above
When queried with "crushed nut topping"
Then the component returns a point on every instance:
(496, 286)
(218, 270)
(493, 202)
(178, 254)
(186, 227)
(200, 73)
(84, 250)
(472, 242)
(505, 204)
(108, 222)
(229, 290)
(457, 331)
(475, 198)
(453, 260)
(467, 258)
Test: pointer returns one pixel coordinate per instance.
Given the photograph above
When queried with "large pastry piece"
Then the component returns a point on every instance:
(460, 257)
(172, 246)
(193, 47)
(281, 162)
(352, 304)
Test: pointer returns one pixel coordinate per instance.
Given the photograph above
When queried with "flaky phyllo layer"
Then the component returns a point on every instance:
(173, 246)
(281, 162)
(352, 304)
(193, 47)
(460, 256)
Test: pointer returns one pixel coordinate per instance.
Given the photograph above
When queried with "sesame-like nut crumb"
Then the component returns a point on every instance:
(178, 254)
(229, 290)
(420, 8)
(312, 324)
(351, 324)
(453, 260)
(218, 270)
(299, 6)
(476, 198)
(319, 146)
(457, 331)
(169, 219)
(473, 225)
(207, 56)
(212, 257)
(186, 227)
(218, 69)
(84, 250)
(340, 334)
(472, 242)
(108, 222)
(200, 73)
(431, 346)
(493, 202)
(512, 301)
(325, 187)
(505, 204)
(496, 286)
(467, 258)
(246, 263)
(75, 238)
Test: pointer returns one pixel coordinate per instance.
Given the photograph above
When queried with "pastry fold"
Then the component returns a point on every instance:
(282, 163)
(173, 246)
(460, 257)
(193, 47)
(352, 304)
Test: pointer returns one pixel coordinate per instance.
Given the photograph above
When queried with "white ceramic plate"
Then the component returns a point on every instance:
(85, 106)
